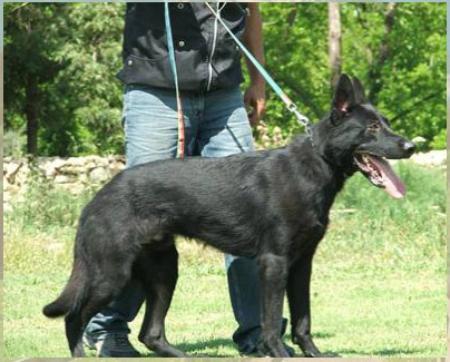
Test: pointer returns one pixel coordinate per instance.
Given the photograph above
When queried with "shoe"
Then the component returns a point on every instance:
(256, 352)
(111, 345)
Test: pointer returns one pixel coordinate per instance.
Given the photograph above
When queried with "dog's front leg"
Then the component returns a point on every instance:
(299, 305)
(273, 272)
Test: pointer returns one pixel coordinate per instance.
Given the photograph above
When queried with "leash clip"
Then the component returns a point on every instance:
(301, 119)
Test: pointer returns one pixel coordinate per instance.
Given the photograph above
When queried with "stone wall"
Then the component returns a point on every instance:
(72, 174)
(75, 173)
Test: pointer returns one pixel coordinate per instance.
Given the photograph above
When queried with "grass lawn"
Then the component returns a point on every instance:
(378, 289)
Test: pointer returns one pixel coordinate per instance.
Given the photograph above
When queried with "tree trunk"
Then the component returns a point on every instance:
(334, 41)
(384, 53)
(32, 114)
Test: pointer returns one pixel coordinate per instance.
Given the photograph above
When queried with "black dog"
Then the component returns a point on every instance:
(272, 205)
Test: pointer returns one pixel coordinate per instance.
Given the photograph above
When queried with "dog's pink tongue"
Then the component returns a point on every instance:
(392, 183)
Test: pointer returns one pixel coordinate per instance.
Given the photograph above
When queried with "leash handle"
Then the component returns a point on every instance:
(303, 120)
(173, 66)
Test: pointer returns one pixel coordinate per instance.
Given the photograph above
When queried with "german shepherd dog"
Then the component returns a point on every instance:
(270, 205)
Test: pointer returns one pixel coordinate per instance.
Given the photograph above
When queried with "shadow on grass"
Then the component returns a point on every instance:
(197, 349)
(317, 335)
(381, 352)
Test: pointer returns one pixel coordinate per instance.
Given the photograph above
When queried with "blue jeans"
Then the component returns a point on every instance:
(216, 126)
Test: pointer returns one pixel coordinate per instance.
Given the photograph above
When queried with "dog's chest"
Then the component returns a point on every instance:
(307, 237)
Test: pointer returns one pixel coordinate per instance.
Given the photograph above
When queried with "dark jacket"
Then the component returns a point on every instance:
(201, 65)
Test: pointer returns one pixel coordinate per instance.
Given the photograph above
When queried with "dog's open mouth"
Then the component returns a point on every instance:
(380, 173)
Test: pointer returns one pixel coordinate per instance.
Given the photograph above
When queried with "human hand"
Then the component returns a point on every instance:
(255, 101)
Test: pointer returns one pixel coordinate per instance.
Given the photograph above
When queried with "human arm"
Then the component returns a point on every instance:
(254, 96)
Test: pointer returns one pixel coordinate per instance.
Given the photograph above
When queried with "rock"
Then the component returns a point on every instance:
(419, 140)
(116, 167)
(265, 138)
(75, 161)
(21, 176)
(432, 158)
(99, 175)
(15, 173)
(71, 169)
(64, 179)
(10, 169)
(49, 165)
(98, 161)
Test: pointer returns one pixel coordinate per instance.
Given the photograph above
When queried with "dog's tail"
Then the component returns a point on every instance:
(73, 294)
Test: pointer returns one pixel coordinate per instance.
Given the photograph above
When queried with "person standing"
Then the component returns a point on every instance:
(216, 125)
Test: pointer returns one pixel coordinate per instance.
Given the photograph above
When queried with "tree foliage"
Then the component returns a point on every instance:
(408, 86)
(61, 60)
(80, 102)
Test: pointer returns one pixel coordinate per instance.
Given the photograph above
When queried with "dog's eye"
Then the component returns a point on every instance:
(374, 127)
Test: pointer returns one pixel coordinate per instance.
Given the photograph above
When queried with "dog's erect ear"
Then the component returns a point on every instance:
(344, 97)
(358, 89)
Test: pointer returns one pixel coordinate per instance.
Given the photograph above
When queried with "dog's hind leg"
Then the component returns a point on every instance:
(74, 332)
(99, 292)
(273, 272)
(158, 272)
(76, 322)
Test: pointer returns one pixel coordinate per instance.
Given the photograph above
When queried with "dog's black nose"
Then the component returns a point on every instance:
(408, 147)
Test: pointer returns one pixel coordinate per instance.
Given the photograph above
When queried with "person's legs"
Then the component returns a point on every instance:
(225, 130)
(151, 133)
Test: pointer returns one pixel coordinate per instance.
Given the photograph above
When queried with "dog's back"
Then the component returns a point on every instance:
(225, 202)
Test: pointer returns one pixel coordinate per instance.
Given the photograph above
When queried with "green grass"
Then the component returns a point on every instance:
(378, 289)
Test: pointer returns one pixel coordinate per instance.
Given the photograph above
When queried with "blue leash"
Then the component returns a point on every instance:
(173, 65)
(290, 105)
(303, 120)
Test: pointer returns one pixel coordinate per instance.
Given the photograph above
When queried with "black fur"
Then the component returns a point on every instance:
(272, 205)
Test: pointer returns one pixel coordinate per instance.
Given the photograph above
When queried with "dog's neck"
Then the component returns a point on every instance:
(325, 179)
(337, 163)
(339, 160)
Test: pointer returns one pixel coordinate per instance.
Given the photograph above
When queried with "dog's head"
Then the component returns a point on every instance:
(359, 138)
